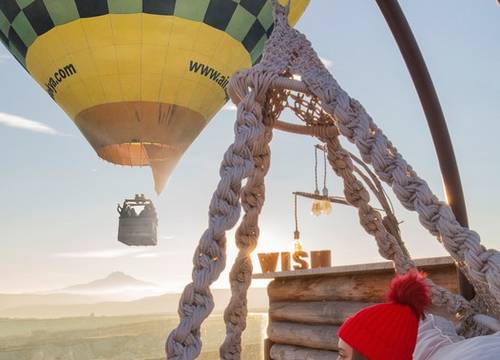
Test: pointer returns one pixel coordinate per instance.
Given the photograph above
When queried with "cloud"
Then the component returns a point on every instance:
(157, 254)
(19, 122)
(100, 254)
(327, 62)
(147, 255)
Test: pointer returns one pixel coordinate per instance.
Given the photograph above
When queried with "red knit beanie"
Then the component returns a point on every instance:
(389, 331)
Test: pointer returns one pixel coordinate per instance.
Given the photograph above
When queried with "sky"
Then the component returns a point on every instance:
(58, 221)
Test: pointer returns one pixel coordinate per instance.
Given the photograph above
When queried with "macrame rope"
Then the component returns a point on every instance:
(196, 302)
(247, 234)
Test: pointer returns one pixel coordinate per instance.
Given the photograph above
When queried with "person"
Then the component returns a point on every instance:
(123, 210)
(131, 211)
(387, 331)
(438, 340)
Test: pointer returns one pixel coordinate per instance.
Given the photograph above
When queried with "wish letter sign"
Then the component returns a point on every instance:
(299, 260)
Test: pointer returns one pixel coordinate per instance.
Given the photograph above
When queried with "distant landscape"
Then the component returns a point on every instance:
(114, 338)
(82, 323)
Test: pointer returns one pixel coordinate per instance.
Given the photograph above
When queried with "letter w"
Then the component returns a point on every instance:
(194, 66)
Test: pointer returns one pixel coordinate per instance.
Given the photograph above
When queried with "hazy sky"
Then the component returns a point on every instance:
(58, 219)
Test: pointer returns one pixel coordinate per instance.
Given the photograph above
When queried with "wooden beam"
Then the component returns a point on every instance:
(363, 287)
(289, 352)
(317, 312)
(328, 312)
(426, 265)
(323, 337)
(268, 344)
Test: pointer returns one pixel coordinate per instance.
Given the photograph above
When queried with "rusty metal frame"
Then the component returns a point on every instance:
(417, 68)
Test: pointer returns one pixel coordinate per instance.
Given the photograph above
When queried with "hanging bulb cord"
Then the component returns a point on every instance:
(316, 191)
(296, 234)
(325, 189)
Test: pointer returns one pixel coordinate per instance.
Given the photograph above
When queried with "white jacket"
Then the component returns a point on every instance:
(438, 340)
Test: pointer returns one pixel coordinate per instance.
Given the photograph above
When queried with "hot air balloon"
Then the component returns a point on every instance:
(140, 78)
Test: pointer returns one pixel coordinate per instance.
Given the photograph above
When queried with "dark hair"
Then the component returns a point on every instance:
(357, 356)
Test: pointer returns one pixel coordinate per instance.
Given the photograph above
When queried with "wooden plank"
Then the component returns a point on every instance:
(323, 337)
(363, 287)
(428, 263)
(268, 344)
(289, 352)
(317, 312)
(328, 312)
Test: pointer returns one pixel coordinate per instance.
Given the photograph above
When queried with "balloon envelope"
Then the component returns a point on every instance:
(140, 78)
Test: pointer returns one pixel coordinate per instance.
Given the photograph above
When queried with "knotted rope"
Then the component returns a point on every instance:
(252, 200)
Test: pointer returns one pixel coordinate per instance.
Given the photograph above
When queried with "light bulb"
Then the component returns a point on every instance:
(316, 208)
(326, 207)
(297, 246)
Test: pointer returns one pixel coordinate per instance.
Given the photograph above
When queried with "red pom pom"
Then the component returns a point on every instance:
(410, 290)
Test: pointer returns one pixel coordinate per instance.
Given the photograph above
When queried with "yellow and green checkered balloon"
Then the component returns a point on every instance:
(140, 78)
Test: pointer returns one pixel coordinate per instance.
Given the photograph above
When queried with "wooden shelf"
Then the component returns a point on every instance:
(435, 262)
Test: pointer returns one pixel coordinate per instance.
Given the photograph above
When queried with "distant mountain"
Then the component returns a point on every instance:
(163, 304)
(116, 294)
(114, 282)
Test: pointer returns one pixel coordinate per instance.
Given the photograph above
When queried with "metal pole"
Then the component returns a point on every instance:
(435, 118)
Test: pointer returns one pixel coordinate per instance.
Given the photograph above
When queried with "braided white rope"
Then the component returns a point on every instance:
(252, 200)
(196, 302)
